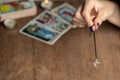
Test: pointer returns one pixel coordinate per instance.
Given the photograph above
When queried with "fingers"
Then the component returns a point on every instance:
(100, 18)
(78, 22)
(78, 19)
(93, 14)
(87, 13)
(87, 18)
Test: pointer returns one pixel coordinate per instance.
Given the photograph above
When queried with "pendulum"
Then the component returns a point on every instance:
(96, 62)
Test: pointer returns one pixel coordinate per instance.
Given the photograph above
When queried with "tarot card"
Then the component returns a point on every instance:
(36, 31)
(66, 11)
(53, 22)
(9, 6)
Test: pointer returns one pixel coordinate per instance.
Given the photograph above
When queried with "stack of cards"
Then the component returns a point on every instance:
(49, 26)
(16, 9)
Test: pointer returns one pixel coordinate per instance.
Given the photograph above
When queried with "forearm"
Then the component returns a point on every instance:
(115, 17)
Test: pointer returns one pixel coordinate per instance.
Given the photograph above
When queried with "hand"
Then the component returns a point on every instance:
(94, 13)
(78, 18)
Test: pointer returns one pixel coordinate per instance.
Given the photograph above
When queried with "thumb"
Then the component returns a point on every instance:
(86, 15)
(100, 18)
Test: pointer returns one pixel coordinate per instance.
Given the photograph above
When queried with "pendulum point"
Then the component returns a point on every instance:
(96, 63)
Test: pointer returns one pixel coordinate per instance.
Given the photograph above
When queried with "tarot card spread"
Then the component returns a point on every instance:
(46, 27)
(52, 22)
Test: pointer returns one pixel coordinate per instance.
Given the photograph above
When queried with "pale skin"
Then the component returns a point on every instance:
(95, 12)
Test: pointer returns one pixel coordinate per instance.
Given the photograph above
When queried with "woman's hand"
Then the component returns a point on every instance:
(94, 13)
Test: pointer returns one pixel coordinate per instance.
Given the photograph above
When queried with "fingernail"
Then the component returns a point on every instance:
(91, 29)
(98, 24)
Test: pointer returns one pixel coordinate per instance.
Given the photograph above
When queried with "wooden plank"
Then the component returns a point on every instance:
(71, 58)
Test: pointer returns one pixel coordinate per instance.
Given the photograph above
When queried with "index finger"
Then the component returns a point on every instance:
(88, 6)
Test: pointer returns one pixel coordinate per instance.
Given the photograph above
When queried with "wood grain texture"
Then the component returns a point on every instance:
(70, 58)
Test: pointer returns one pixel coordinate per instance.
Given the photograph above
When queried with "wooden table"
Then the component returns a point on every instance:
(71, 58)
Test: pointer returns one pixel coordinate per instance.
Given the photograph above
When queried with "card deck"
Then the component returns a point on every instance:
(12, 6)
(16, 9)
